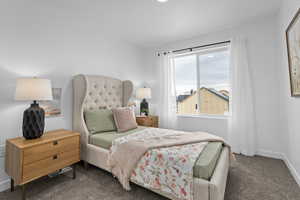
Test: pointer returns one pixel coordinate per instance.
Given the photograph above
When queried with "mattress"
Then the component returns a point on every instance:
(105, 139)
(204, 166)
(207, 160)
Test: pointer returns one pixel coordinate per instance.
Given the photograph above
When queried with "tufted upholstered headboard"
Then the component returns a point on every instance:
(92, 92)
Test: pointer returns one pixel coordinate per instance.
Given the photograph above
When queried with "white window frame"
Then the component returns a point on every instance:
(198, 52)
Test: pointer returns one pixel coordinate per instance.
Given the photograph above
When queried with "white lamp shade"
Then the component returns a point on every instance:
(143, 93)
(30, 89)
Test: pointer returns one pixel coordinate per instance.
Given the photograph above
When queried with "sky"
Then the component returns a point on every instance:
(214, 71)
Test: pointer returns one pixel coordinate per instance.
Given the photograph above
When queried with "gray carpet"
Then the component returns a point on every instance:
(250, 178)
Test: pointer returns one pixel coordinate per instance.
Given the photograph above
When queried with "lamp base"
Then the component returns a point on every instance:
(33, 121)
(144, 107)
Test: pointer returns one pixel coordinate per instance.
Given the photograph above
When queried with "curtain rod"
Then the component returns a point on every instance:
(197, 47)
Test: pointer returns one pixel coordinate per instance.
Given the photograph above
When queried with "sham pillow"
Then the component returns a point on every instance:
(99, 121)
(124, 119)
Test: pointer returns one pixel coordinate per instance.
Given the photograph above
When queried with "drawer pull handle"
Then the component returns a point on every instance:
(55, 143)
(54, 157)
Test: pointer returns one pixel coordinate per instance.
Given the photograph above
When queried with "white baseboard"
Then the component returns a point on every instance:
(4, 185)
(283, 157)
(270, 154)
(292, 169)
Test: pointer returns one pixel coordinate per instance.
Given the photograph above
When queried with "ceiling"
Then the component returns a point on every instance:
(145, 23)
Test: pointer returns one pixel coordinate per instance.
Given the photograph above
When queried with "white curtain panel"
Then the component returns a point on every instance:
(241, 122)
(167, 110)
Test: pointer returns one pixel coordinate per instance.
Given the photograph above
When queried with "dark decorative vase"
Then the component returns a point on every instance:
(144, 107)
(33, 121)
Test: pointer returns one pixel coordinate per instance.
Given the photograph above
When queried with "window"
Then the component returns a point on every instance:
(202, 82)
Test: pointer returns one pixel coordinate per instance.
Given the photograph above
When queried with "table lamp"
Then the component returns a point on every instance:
(144, 93)
(33, 89)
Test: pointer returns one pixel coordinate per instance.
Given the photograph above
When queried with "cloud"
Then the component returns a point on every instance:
(214, 71)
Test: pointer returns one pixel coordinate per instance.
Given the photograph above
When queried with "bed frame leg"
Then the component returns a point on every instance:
(86, 165)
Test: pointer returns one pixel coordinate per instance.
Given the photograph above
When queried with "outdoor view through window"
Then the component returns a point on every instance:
(202, 82)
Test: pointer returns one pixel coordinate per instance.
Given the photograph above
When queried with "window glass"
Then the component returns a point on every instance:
(186, 82)
(202, 86)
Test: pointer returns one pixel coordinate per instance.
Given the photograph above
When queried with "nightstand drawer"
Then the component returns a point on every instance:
(40, 152)
(150, 121)
(50, 164)
(146, 121)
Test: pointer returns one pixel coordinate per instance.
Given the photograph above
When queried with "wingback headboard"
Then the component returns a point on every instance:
(92, 92)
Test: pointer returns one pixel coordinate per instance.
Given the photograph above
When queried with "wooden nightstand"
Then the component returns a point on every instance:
(150, 121)
(27, 160)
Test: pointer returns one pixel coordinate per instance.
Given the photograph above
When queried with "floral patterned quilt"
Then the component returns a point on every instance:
(169, 169)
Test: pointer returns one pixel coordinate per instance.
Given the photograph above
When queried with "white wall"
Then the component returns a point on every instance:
(290, 105)
(261, 38)
(30, 47)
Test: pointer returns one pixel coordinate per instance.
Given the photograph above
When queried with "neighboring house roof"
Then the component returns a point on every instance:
(181, 98)
(225, 92)
(225, 97)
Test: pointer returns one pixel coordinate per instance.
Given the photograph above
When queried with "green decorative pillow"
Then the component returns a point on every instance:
(99, 121)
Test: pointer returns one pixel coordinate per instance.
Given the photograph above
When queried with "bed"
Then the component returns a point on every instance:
(92, 92)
